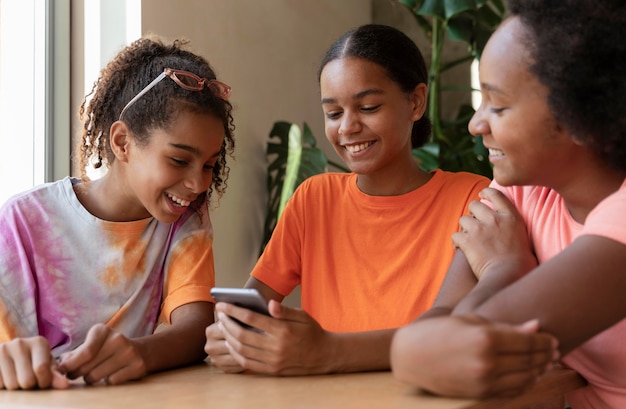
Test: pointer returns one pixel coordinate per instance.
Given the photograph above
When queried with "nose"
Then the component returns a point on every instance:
(349, 124)
(478, 124)
(198, 181)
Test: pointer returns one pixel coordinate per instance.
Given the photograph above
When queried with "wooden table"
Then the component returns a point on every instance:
(204, 386)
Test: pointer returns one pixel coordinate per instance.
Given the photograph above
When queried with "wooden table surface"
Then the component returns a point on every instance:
(204, 386)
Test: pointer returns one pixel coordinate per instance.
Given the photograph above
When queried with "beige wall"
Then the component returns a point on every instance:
(268, 51)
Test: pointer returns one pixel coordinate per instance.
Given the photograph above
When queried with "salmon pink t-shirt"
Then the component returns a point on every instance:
(602, 359)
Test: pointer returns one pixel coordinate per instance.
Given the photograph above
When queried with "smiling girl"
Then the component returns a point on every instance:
(88, 268)
(368, 248)
(549, 240)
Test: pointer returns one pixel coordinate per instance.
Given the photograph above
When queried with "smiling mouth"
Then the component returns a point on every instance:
(358, 147)
(178, 201)
(495, 152)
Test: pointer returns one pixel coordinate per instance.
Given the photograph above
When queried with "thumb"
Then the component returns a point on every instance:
(59, 380)
(528, 327)
(276, 309)
(282, 312)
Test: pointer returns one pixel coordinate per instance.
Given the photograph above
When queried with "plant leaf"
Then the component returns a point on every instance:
(409, 3)
(293, 166)
(455, 7)
(434, 8)
(461, 28)
(427, 156)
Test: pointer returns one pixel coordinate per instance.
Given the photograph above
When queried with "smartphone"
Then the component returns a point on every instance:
(249, 298)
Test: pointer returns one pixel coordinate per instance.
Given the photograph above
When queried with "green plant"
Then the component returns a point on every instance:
(293, 156)
(452, 147)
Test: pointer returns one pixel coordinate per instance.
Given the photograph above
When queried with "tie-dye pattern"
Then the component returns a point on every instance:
(63, 270)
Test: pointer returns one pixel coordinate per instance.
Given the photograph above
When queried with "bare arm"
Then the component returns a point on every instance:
(465, 354)
(590, 269)
(575, 295)
(495, 247)
(459, 281)
(180, 343)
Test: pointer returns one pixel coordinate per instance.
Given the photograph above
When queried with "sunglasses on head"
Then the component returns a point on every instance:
(186, 80)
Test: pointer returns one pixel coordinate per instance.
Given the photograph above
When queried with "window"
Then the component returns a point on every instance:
(35, 107)
(22, 95)
(104, 37)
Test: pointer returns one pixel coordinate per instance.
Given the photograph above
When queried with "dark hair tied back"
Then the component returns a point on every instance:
(396, 53)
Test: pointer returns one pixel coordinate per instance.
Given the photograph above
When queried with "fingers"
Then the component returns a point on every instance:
(528, 326)
(500, 205)
(26, 363)
(7, 369)
(262, 352)
(499, 201)
(479, 211)
(217, 351)
(509, 374)
(105, 355)
(283, 312)
(246, 317)
(59, 381)
(88, 355)
(244, 347)
(466, 356)
(42, 364)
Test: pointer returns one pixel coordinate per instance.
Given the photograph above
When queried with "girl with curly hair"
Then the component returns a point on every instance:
(89, 268)
(547, 245)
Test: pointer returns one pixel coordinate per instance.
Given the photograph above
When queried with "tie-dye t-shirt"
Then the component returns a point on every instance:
(62, 270)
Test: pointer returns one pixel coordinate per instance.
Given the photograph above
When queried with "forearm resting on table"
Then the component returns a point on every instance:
(360, 351)
(180, 343)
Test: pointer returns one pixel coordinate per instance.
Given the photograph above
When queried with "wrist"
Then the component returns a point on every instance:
(514, 267)
(359, 351)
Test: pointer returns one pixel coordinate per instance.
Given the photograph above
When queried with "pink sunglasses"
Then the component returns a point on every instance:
(186, 80)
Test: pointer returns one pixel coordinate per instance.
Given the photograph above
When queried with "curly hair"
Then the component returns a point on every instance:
(125, 76)
(396, 53)
(578, 49)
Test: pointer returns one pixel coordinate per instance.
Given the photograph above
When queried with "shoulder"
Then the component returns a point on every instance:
(525, 196)
(458, 184)
(461, 178)
(606, 219)
(326, 181)
(42, 194)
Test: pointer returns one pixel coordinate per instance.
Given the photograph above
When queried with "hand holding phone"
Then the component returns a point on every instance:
(249, 298)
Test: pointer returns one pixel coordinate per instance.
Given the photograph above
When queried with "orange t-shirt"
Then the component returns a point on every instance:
(366, 262)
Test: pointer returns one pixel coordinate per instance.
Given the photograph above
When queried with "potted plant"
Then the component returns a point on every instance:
(452, 147)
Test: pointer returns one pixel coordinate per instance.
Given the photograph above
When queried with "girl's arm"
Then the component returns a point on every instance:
(459, 281)
(465, 355)
(575, 295)
(180, 343)
(492, 239)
